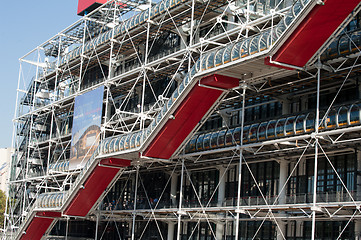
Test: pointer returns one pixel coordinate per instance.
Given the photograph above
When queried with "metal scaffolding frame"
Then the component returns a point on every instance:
(54, 74)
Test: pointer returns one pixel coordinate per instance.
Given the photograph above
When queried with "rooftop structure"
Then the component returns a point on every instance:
(194, 119)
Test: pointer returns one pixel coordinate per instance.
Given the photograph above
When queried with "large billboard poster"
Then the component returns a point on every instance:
(86, 127)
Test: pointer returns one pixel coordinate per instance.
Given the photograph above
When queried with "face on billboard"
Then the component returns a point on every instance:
(86, 127)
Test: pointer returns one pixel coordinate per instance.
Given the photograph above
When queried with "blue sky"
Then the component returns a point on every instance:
(23, 26)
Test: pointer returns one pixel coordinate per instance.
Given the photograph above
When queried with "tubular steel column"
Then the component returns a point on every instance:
(282, 181)
(240, 163)
(221, 197)
(142, 119)
(135, 202)
(82, 55)
(107, 114)
(173, 189)
(97, 225)
(222, 186)
(180, 202)
(170, 231)
(314, 208)
(281, 230)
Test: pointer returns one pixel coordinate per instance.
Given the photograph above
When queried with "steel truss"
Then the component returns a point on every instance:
(129, 66)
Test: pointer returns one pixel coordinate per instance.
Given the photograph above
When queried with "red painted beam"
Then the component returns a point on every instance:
(88, 5)
(94, 186)
(49, 214)
(187, 116)
(313, 32)
(37, 228)
(115, 162)
(220, 81)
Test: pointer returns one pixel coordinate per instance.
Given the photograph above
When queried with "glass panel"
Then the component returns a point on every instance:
(288, 19)
(141, 18)
(136, 21)
(161, 8)
(331, 119)
(237, 135)
(310, 122)
(245, 134)
(300, 124)
(244, 48)
(221, 136)
(354, 114)
(227, 54)
(106, 144)
(280, 127)
(127, 142)
(280, 29)
(254, 46)
(229, 137)
(210, 60)
(297, 8)
(252, 135)
(206, 141)
(342, 117)
(138, 140)
(356, 40)
(156, 10)
(235, 51)
(219, 56)
(262, 131)
(181, 87)
(111, 145)
(200, 142)
(191, 146)
(214, 140)
(271, 129)
(132, 141)
(167, 4)
(204, 63)
(116, 144)
(343, 45)
(264, 42)
(289, 127)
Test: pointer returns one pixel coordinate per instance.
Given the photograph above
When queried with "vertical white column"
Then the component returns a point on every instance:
(314, 207)
(358, 180)
(135, 202)
(221, 197)
(180, 203)
(222, 186)
(281, 229)
(173, 202)
(96, 226)
(357, 229)
(173, 190)
(170, 231)
(219, 230)
(282, 181)
(299, 229)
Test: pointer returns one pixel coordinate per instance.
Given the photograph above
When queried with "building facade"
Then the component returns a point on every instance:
(215, 120)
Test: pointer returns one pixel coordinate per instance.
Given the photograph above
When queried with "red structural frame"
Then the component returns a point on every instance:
(193, 108)
(313, 32)
(37, 228)
(88, 5)
(94, 186)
